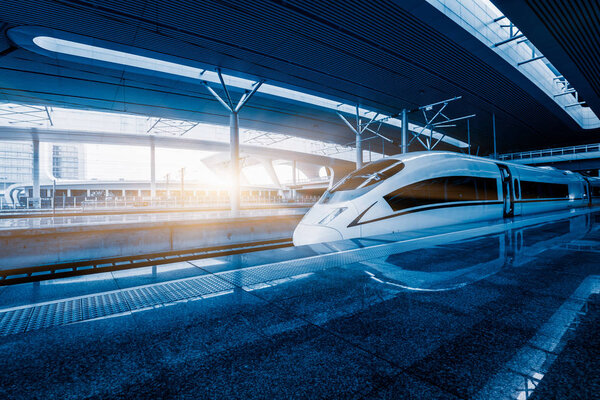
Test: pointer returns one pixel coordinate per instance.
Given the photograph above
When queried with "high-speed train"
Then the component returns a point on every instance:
(429, 189)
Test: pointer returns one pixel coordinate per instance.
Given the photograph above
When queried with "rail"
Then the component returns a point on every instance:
(78, 212)
(85, 267)
(307, 181)
(84, 204)
(560, 151)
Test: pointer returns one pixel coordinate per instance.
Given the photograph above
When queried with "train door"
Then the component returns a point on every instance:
(587, 191)
(516, 189)
(507, 183)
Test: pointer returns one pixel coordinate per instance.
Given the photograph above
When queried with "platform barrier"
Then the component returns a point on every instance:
(34, 247)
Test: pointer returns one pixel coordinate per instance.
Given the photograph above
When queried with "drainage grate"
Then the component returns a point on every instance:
(581, 245)
(14, 321)
(85, 308)
(37, 316)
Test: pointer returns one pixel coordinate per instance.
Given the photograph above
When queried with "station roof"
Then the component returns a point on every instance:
(567, 32)
(385, 56)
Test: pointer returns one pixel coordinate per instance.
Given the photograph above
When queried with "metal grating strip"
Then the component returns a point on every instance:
(66, 311)
(14, 321)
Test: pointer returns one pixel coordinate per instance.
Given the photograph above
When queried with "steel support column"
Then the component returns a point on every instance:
(294, 174)
(430, 123)
(494, 130)
(182, 188)
(152, 168)
(234, 136)
(404, 132)
(359, 159)
(36, 173)
(359, 155)
(234, 147)
(362, 128)
(54, 196)
(469, 136)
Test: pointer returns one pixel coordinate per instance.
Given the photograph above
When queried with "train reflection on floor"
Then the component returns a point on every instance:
(436, 271)
(506, 311)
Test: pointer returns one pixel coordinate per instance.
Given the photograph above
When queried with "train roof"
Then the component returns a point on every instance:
(440, 155)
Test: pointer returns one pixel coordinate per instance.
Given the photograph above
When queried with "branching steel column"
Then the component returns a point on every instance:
(152, 168)
(359, 158)
(430, 124)
(404, 132)
(359, 155)
(234, 151)
(234, 136)
(494, 129)
(469, 136)
(36, 172)
(362, 128)
(294, 173)
(182, 188)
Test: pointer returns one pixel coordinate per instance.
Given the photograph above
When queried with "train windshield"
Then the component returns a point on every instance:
(363, 180)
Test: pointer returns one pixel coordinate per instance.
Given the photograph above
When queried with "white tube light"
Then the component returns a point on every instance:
(103, 54)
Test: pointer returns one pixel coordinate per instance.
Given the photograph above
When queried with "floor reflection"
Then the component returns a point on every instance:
(455, 265)
(498, 311)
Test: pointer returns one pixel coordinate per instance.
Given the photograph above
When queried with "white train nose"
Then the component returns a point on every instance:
(311, 234)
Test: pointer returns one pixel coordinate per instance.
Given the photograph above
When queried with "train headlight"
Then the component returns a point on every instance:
(332, 215)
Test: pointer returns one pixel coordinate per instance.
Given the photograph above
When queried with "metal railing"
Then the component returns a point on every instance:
(176, 203)
(560, 151)
(307, 181)
(83, 203)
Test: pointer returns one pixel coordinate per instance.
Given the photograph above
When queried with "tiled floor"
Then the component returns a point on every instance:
(503, 310)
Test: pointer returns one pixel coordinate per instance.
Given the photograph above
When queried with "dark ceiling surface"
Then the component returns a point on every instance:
(382, 54)
(568, 33)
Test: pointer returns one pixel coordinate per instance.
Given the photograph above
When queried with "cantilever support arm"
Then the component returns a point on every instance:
(229, 101)
(446, 121)
(247, 95)
(379, 134)
(348, 123)
(216, 95)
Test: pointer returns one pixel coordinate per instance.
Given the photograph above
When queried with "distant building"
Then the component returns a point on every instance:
(68, 162)
(56, 162)
(15, 162)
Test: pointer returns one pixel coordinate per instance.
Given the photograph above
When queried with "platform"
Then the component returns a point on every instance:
(500, 310)
(22, 222)
(34, 241)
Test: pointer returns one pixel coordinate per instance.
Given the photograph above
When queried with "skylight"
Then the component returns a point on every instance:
(483, 20)
(74, 120)
(104, 54)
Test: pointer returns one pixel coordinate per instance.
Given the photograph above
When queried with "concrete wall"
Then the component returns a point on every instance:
(33, 247)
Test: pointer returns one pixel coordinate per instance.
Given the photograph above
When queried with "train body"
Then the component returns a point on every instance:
(430, 189)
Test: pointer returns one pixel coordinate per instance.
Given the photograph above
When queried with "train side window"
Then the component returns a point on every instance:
(529, 190)
(422, 193)
(441, 190)
(516, 187)
(487, 189)
(460, 188)
(543, 190)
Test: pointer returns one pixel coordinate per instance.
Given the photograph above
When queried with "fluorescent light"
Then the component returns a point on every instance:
(104, 54)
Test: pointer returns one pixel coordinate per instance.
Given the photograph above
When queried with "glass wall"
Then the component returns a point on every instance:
(15, 162)
(65, 162)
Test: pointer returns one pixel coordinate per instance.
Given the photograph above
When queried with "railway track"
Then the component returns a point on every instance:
(13, 276)
(141, 210)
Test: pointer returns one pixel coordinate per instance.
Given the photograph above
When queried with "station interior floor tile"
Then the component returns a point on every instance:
(508, 313)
